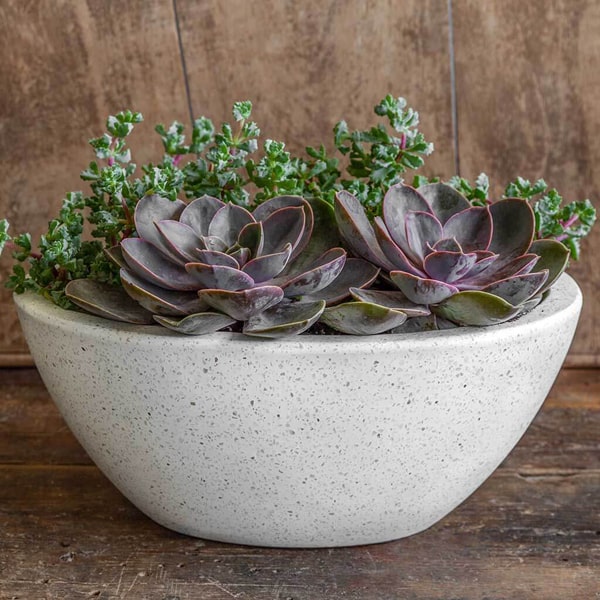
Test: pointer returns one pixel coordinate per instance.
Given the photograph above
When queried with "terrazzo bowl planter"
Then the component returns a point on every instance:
(305, 442)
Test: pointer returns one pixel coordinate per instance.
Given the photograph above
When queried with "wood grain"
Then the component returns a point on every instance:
(306, 65)
(31, 428)
(527, 83)
(16, 359)
(530, 533)
(66, 65)
(67, 533)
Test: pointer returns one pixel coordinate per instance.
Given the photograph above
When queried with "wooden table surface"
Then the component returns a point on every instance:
(532, 531)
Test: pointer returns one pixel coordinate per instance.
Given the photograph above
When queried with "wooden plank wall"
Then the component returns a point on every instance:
(527, 88)
(66, 65)
(504, 87)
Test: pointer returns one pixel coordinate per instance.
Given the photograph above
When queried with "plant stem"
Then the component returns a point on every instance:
(127, 213)
(14, 247)
(569, 222)
(565, 225)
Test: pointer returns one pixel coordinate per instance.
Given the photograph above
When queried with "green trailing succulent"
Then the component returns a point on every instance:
(565, 223)
(4, 237)
(184, 243)
(226, 161)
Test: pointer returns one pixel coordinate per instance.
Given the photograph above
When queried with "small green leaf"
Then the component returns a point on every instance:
(23, 245)
(173, 139)
(121, 124)
(4, 236)
(242, 110)
(202, 135)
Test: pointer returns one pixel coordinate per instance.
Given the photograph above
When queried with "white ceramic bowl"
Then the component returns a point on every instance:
(305, 442)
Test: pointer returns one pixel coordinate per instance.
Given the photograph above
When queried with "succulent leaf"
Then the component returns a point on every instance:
(356, 273)
(449, 266)
(499, 269)
(151, 209)
(422, 232)
(447, 245)
(471, 228)
(241, 255)
(514, 224)
(268, 266)
(484, 261)
(398, 203)
(228, 222)
(197, 324)
(356, 230)
(213, 243)
(476, 308)
(143, 259)
(283, 226)
(531, 303)
(444, 200)
(324, 236)
(391, 251)
(212, 257)
(518, 289)
(362, 318)
(252, 237)
(157, 300)
(284, 319)
(179, 240)
(421, 290)
(393, 299)
(427, 323)
(199, 213)
(243, 304)
(218, 277)
(316, 276)
(554, 257)
(264, 210)
(106, 301)
(115, 255)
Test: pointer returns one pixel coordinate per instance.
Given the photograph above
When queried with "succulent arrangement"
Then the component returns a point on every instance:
(187, 246)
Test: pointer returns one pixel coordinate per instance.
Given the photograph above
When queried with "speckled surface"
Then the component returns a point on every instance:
(305, 442)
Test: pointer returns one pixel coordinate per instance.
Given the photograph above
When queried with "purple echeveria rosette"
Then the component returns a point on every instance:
(200, 267)
(470, 265)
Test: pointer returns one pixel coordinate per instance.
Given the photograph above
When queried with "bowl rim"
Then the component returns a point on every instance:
(562, 303)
